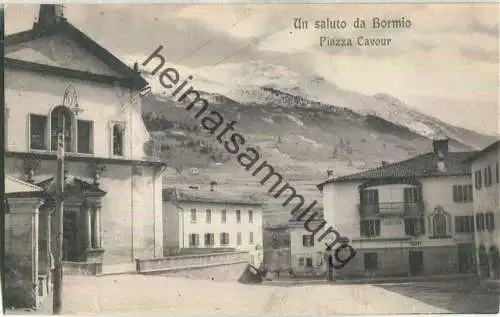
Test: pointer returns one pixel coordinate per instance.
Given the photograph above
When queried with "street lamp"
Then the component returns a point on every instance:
(70, 101)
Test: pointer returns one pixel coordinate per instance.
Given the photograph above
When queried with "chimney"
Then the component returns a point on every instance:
(441, 165)
(440, 145)
(384, 163)
(49, 15)
(212, 185)
(329, 173)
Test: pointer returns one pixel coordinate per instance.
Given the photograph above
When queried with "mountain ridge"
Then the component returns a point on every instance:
(300, 135)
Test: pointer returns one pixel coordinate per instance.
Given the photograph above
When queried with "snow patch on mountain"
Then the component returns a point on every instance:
(259, 83)
(296, 120)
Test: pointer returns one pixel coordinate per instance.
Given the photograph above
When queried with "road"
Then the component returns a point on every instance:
(153, 295)
(465, 296)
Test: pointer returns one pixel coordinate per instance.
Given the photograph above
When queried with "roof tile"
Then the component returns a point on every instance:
(424, 165)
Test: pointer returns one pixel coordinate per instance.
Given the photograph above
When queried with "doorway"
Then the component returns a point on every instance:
(416, 262)
(70, 236)
(466, 258)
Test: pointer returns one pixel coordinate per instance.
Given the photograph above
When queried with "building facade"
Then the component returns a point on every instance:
(486, 178)
(306, 253)
(197, 219)
(407, 218)
(25, 279)
(58, 80)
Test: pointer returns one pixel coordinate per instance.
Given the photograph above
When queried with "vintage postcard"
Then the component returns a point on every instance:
(242, 159)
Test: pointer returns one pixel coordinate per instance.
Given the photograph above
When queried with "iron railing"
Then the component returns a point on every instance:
(392, 208)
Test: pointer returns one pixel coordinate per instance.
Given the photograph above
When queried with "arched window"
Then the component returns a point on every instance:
(118, 134)
(61, 121)
(439, 225)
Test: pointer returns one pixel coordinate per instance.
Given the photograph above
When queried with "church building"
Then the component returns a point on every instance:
(57, 79)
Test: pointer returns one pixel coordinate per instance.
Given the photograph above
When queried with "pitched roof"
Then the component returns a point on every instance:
(478, 154)
(130, 77)
(16, 187)
(424, 165)
(206, 196)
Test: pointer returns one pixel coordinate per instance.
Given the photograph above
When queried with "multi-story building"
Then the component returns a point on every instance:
(486, 189)
(195, 218)
(58, 81)
(412, 217)
(306, 253)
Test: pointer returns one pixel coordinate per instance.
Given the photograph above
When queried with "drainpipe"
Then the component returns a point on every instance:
(154, 211)
(131, 178)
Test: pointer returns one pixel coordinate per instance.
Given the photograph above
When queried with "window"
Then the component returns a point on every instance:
(490, 179)
(250, 216)
(464, 224)
(490, 221)
(118, 136)
(370, 228)
(412, 194)
(477, 179)
(209, 240)
(309, 262)
(194, 240)
(238, 238)
(38, 126)
(480, 222)
(371, 261)
(85, 133)
(487, 176)
(193, 215)
(238, 216)
(439, 225)
(250, 238)
(462, 193)
(224, 238)
(61, 121)
(308, 240)
(414, 226)
(497, 173)
(302, 261)
(369, 197)
(208, 216)
(223, 216)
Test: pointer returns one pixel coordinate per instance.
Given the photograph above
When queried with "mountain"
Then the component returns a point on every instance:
(303, 125)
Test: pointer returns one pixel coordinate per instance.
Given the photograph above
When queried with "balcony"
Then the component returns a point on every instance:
(401, 209)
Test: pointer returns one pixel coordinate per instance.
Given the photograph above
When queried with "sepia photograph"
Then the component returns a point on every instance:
(251, 159)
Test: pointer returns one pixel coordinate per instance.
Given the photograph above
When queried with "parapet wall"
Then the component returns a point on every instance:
(220, 266)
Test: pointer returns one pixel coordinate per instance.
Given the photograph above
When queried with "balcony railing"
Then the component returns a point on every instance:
(392, 209)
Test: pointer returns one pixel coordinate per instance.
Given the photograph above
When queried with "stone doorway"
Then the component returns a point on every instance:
(81, 220)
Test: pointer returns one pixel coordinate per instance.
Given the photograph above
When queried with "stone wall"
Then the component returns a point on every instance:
(214, 266)
(222, 272)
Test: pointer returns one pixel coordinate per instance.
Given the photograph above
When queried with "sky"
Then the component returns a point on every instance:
(446, 64)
